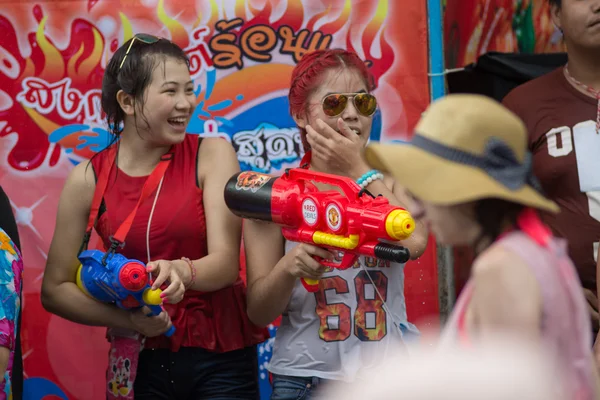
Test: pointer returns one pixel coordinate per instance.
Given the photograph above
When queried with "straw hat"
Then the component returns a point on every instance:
(465, 148)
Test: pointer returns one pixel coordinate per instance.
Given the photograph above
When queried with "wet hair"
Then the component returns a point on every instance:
(134, 77)
(308, 74)
(492, 214)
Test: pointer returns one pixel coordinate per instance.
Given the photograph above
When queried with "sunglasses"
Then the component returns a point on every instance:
(142, 37)
(335, 104)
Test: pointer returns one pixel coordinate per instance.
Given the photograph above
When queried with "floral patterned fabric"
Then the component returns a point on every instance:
(11, 270)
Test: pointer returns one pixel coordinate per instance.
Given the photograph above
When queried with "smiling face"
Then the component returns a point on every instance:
(160, 115)
(580, 22)
(335, 81)
(168, 103)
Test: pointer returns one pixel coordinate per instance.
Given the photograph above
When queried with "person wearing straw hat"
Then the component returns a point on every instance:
(471, 180)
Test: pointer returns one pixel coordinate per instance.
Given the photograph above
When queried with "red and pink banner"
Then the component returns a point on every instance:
(52, 59)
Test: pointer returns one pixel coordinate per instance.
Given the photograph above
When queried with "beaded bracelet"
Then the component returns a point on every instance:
(369, 177)
(192, 271)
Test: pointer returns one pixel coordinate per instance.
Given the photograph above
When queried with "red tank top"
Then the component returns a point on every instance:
(215, 321)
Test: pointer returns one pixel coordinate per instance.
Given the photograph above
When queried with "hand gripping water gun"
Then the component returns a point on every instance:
(113, 278)
(353, 222)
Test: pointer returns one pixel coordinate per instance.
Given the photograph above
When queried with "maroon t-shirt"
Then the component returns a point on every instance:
(566, 159)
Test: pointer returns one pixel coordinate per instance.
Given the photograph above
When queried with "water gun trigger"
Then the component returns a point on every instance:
(347, 261)
(311, 285)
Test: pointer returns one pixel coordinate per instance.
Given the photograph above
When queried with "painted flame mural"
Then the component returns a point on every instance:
(52, 58)
(474, 27)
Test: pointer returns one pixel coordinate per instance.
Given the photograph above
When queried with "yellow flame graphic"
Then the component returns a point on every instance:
(334, 26)
(88, 64)
(214, 15)
(240, 9)
(54, 67)
(29, 69)
(380, 15)
(93, 60)
(127, 29)
(178, 32)
(44, 123)
(73, 61)
(347, 9)
(315, 18)
(381, 12)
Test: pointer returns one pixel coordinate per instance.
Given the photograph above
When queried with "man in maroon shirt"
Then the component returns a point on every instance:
(561, 111)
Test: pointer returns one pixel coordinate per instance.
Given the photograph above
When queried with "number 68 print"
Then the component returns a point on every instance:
(369, 319)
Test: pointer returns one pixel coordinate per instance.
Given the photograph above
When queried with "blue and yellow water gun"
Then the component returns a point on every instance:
(113, 278)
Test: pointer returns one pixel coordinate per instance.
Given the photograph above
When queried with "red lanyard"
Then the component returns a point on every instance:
(592, 91)
(151, 184)
(305, 162)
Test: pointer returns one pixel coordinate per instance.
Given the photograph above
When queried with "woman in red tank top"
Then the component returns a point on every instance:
(149, 191)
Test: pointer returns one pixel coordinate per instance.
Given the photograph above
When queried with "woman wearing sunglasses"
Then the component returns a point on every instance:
(359, 312)
(155, 195)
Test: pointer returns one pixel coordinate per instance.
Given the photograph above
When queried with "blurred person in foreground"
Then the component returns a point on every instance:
(471, 179)
(498, 370)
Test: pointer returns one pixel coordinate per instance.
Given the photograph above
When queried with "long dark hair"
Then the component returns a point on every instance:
(134, 77)
(557, 3)
(492, 214)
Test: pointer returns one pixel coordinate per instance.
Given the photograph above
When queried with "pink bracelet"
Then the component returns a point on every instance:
(192, 271)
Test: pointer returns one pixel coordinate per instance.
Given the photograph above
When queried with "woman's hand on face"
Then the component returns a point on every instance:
(300, 262)
(340, 151)
(173, 272)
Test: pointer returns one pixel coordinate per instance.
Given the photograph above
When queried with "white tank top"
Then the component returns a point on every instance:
(343, 329)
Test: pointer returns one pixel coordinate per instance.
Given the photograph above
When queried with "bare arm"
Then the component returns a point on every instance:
(220, 268)
(60, 295)
(269, 285)
(506, 297)
(271, 274)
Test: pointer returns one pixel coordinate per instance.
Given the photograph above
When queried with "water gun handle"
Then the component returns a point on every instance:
(152, 300)
(348, 260)
(348, 186)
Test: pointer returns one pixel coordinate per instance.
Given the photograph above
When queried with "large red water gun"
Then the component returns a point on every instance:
(349, 220)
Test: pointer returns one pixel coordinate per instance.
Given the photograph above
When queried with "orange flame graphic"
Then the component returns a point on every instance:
(336, 25)
(126, 27)
(54, 66)
(80, 70)
(313, 20)
(261, 15)
(240, 8)
(293, 16)
(87, 51)
(213, 12)
(375, 29)
(177, 31)
(373, 46)
(55, 87)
